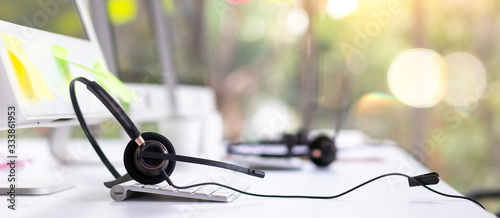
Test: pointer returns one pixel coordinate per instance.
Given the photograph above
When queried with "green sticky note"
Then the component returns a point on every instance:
(105, 78)
(111, 82)
(61, 55)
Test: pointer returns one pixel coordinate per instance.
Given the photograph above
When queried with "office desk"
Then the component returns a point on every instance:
(389, 197)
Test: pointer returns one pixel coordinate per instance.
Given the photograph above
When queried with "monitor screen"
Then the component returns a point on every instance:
(43, 45)
(134, 45)
(137, 50)
(60, 17)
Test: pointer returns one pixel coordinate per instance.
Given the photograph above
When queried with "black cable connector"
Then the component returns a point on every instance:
(426, 179)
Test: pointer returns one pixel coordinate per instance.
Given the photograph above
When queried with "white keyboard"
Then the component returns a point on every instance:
(208, 192)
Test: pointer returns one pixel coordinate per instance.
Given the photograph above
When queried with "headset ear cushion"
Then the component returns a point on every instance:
(131, 153)
(322, 151)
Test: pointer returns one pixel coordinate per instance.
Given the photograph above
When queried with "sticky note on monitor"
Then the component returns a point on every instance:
(105, 78)
(61, 55)
(111, 82)
(30, 79)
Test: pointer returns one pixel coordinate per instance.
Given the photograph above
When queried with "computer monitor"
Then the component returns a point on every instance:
(33, 77)
(139, 46)
(130, 48)
(43, 46)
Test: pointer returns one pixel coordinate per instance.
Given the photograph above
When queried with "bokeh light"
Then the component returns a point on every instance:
(338, 9)
(122, 11)
(297, 21)
(417, 77)
(379, 115)
(466, 79)
(462, 112)
(269, 118)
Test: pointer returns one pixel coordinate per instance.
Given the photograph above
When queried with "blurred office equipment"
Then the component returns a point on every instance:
(385, 198)
(31, 78)
(141, 51)
(43, 47)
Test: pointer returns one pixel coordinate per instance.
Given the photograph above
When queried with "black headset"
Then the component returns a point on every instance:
(150, 158)
(321, 151)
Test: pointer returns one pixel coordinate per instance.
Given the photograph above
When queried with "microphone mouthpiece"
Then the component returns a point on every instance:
(256, 173)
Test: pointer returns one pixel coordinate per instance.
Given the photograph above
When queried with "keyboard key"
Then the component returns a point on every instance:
(168, 188)
(152, 187)
(138, 185)
(188, 190)
(223, 192)
(162, 184)
(207, 190)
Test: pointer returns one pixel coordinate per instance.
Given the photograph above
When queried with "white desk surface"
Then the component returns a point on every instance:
(389, 197)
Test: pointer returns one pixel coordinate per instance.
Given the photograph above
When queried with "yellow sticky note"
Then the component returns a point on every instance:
(30, 79)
